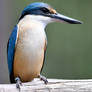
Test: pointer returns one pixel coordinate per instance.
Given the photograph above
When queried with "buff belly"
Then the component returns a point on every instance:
(27, 66)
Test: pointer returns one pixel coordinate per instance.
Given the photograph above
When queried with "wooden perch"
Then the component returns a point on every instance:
(54, 85)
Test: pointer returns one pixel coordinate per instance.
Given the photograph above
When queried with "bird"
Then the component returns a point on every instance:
(28, 42)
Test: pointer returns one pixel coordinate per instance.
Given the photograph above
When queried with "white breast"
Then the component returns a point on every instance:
(29, 53)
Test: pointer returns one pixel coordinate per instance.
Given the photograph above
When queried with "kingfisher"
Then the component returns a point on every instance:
(27, 43)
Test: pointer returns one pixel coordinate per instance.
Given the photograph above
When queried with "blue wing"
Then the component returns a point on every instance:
(11, 49)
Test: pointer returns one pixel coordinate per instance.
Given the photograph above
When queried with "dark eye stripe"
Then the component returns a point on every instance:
(45, 10)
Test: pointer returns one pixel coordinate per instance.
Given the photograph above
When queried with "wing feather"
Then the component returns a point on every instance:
(45, 47)
(11, 50)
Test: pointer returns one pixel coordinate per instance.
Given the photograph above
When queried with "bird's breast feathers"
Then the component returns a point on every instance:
(29, 52)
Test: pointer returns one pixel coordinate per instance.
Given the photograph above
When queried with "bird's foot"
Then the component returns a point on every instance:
(43, 78)
(18, 82)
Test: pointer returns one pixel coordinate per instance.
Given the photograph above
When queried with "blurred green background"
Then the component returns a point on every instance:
(69, 51)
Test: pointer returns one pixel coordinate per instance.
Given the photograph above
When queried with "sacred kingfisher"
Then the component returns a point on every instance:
(27, 43)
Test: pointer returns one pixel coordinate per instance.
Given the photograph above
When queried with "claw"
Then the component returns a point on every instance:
(18, 82)
(43, 78)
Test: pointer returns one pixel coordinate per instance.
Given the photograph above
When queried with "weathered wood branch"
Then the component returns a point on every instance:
(54, 85)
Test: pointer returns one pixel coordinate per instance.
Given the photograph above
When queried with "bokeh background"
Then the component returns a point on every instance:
(69, 51)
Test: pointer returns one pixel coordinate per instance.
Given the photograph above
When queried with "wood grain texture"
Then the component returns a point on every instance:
(54, 85)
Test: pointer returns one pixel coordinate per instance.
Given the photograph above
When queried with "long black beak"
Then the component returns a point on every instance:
(62, 18)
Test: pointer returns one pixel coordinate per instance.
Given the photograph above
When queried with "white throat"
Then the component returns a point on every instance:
(36, 21)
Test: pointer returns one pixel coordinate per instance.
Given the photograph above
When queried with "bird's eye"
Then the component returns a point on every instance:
(45, 10)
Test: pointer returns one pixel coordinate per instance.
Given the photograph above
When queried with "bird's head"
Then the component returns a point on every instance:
(46, 14)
